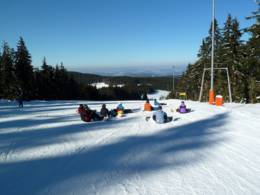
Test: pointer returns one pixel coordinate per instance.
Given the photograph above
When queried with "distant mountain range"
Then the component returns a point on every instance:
(136, 71)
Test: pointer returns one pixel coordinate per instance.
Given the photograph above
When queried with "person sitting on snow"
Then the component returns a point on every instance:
(160, 116)
(156, 103)
(148, 106)
(83, 114)
(93, 114)
(20, 102)
(88, 115)
(121, 108)
(104, 111)
(81, 109)
(183, 108)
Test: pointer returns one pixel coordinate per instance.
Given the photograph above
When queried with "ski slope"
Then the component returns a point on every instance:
(159, 94)
(46, 149)
(105, 85)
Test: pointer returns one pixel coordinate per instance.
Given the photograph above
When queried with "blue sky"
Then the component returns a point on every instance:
(104, 33)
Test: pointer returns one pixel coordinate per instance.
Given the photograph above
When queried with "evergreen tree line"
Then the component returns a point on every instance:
(18, 79)
(242, 58)
(158, 82)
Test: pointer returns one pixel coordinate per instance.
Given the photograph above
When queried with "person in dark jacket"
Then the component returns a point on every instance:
(20, 102)
(93, 114)
(104, 111)
(88, 115)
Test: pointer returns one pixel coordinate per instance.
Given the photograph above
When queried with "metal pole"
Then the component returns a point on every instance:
(258, 12)
(229, 87)
(173, 80)
(202, 82)
(212, 47)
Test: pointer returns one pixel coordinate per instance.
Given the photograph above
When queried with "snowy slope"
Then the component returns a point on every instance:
(159, 94)
(46, 149)
(100, 85)
(104, 85)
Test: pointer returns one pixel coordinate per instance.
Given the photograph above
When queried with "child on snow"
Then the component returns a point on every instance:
(121, 108)
(182, 108)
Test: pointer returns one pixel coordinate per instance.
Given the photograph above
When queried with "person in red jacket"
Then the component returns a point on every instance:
(88, 115)
(84, 115)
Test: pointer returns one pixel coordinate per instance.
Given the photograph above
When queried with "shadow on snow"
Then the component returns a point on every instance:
(105, 165)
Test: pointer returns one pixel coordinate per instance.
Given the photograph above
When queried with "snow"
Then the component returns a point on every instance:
(46, 149)
(99, 85)
(159, 94)
(102, 84)
(119, 85)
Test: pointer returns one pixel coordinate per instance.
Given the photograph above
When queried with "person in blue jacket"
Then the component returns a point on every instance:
(120, 107)
(156, 103)
(160, 116)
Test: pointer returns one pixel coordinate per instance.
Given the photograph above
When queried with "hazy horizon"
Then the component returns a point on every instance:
(153, 70)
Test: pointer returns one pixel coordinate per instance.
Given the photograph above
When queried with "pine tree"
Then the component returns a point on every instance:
(252, 64)
(47, 83)
(230, 56)
(1, 76)
(8, 79)
(191, 80)
(62, 81)
(24, 70)
(205, 61)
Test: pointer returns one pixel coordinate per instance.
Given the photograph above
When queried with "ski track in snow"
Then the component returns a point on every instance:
(46, 149)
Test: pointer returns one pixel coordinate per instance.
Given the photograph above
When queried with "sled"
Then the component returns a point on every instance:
(188, 110)
(169, 119)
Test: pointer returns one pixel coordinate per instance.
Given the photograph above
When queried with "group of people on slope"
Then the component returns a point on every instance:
(149, 107)
(160, 116)
(88, 115)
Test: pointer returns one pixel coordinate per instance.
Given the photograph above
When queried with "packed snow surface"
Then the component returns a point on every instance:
(46, 149)
(159, 94)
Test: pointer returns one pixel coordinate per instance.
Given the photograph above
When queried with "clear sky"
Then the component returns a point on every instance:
(96, 33)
